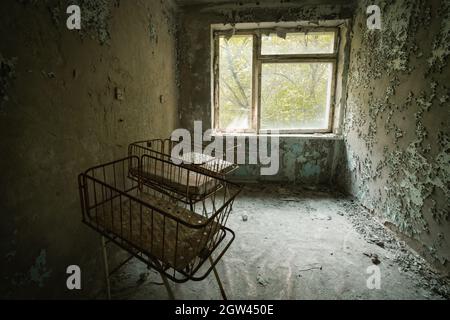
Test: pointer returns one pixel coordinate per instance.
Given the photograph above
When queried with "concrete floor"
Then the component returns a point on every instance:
(298, 244)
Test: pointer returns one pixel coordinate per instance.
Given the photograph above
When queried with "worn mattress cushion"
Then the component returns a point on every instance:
(156, 233)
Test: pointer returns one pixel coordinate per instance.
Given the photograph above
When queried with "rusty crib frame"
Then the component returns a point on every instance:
(162, 148)
(105, 186)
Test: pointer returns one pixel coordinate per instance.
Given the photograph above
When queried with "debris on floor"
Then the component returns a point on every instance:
(300, 258)
(380, 244)
(319, 267)
(261, 280)
(374, 232)
(143, 276)
(373, 257)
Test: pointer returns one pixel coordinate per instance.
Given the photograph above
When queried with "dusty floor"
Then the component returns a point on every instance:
(298, 244)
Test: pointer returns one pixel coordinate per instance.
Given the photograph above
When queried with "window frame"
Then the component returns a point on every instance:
(258, 60)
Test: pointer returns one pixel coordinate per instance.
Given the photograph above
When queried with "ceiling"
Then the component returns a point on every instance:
(197, 2)
(184, 3)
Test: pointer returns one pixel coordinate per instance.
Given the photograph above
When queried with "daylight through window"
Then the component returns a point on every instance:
(274, 79)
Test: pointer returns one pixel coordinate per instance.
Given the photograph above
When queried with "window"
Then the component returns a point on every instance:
(274, 79)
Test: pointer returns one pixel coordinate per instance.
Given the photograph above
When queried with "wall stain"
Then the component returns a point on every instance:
(39, 272)
(95, 17)
(7, 75)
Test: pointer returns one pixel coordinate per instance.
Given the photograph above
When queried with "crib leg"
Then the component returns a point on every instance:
(105, 263)
(166, 284)
(216, 274)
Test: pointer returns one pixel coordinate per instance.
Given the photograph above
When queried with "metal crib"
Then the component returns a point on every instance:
(162, 148)
(171, 217)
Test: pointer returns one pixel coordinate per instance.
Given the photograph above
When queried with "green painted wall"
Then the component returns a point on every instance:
(396, 159)
(59, 115)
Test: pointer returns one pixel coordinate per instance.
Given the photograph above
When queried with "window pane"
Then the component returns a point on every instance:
(235, 82)
(295, 95)
(298, 43)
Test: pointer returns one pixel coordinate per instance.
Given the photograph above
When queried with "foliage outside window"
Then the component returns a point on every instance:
(274, 80)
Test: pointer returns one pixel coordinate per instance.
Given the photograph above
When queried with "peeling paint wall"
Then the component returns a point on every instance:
(60, 113)
(302, 160)
(396, 159)
(7, 74)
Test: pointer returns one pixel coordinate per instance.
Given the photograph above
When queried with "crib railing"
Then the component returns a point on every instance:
(162, 149)
(137, 203)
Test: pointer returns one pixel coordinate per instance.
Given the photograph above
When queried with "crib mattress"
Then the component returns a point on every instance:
(146, 229)
(196, 158)
(182, 180)
(222, 165)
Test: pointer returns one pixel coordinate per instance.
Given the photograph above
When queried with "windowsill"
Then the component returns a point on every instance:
(306, 136)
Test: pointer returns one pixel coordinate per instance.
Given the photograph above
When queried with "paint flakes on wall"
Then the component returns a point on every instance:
(7, 75)
(39, 272)
(413, 171)
(95, 17)
(441, 43)
(153, 34)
